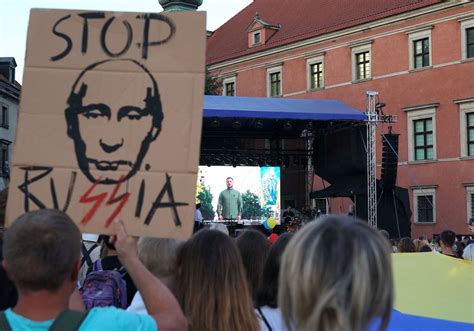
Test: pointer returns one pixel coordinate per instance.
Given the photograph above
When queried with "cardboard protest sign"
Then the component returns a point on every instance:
(110, 119)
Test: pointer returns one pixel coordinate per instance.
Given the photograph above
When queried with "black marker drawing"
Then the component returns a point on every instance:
(105, 153)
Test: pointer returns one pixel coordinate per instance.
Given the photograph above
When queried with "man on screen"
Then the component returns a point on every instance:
(229, 205)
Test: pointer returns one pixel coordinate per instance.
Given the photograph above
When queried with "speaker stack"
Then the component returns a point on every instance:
(388, 176)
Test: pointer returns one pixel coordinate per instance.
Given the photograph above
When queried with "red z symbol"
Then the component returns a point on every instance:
(98, 199)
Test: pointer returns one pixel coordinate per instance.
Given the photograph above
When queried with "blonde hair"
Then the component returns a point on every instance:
(211, 285)
(159, 255)
(336, 274)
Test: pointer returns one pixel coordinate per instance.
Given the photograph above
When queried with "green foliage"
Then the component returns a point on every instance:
(251, 207)
(205, 197)
(213, 85)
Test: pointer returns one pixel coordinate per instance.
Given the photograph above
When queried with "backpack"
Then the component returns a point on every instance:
(67, 320)
(104, 288)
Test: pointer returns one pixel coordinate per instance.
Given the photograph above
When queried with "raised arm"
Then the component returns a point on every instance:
(159, 301)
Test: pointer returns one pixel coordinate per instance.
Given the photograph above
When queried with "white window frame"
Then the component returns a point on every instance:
(270, 71)
(469, 192)
(229, 80)
(414, 36)
(422, 192)
(464, 109)
(464, 26)
(309, 62)
(418, 114)
(313, 203)
(354, 52)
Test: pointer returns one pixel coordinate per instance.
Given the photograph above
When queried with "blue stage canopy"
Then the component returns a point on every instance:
(280, 108)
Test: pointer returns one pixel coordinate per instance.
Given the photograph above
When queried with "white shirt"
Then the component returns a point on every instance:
(198, 216)
(273, 317)
(137, 305)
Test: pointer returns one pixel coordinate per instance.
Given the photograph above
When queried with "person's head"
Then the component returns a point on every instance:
(418, 243)
(468, 253)
(268, 291)
(219, 227)
(229, 182)
(101, 124)
(253, 247)
(385, 234)
(425, 249)
(405, 245)
(447, 239)
(211, 285)
(198, 205)
(159, 256)
(42, 251)
(336, 274)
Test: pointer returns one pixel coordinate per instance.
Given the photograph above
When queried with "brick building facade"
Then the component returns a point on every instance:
(419, 56)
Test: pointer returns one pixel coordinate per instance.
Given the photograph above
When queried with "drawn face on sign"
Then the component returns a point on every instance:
(113, 119)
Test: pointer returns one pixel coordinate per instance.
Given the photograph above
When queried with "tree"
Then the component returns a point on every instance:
(213, 85)
(205, 198)
(251, 206)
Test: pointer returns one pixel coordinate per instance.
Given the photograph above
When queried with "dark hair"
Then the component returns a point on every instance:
(425, 248)
(41, 249)
(253, 247)
(448, 237)
(229, 178)
(268, 291)
(406, 245)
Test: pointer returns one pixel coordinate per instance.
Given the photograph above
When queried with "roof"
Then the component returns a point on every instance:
(4, 79)
(279, 108)
(8, 59)
(301, 19)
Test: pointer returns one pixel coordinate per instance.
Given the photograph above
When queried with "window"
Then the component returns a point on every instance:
(421, 53)
(256, 38)
(421, 122)
(315, 72)
(467, 39)
(229, 86)
(470, 202)
(466, 120)
(4, 168)
(316, 75)
(424, 203)
(470, 43)
(274, 81)
(419, 44)
(275, 84)
(423, 139)
(470, 133)
(4, 114)
(321, 204)
(230, 89)
(361, 63)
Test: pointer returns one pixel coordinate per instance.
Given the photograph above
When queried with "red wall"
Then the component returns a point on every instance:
(452, 80)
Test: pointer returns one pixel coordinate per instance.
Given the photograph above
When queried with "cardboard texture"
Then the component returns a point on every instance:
(110, 120)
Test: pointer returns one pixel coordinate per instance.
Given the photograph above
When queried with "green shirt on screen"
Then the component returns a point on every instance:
(229, 204)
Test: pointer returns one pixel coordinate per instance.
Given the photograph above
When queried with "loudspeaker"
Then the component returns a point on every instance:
(389, 161)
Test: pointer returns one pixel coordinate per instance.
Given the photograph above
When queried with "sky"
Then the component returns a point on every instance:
(14, 16)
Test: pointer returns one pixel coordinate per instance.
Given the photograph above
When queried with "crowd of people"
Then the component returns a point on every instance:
(333, 274)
